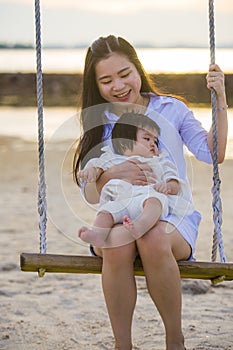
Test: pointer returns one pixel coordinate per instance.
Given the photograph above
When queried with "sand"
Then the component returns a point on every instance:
(65, 311)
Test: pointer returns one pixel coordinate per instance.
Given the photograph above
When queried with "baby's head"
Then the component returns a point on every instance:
(135, 134)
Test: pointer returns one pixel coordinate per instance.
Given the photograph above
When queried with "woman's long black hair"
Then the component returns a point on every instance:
(93, 104)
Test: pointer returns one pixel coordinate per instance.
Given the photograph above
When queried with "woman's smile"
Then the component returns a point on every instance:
(123, 96)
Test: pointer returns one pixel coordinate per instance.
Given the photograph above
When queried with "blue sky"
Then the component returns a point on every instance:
(156, 22)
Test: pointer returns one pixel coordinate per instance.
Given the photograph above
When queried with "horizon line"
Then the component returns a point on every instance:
(4, 45)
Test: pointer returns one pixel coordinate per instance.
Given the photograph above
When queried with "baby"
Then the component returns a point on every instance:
(135, 139)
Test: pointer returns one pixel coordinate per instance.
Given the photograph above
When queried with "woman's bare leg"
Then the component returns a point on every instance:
(159, 252)
(119, 289)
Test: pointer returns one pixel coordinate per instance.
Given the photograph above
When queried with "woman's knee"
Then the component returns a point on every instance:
(120, 256)
(163, 240)
(155, 243)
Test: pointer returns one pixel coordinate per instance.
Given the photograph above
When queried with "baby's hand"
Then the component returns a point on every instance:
(170, 187)
(162, 187)
(89, 175)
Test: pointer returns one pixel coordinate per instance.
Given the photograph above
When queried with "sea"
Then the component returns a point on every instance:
(154, 60)
(188, 60)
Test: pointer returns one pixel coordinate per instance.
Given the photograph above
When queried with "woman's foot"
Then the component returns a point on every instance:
(89, 236)
(177, 345)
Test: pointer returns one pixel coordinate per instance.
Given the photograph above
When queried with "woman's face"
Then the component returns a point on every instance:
(118, 80)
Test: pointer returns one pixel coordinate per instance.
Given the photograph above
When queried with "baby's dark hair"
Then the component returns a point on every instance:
(124, 132)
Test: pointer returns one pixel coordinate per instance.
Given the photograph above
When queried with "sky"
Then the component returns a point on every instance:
(147, 22)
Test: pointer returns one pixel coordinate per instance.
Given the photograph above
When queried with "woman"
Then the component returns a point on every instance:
(114, 75)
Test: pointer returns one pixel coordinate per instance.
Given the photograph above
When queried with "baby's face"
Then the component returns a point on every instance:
(146, 144)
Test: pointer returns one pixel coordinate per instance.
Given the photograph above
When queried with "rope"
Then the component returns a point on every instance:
(216, 201)
(42, 205)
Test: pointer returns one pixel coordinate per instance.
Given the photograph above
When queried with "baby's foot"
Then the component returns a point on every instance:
(130, 226)
(89, 236)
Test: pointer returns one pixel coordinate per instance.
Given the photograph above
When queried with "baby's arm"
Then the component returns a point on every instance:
(90, 174)
(172, 186)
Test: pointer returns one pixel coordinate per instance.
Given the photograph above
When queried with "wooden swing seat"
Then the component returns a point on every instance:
(35, 262)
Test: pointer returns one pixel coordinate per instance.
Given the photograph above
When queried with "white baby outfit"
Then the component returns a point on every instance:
(121, 198)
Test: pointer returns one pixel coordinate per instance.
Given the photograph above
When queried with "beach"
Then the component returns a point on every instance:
(67, 311)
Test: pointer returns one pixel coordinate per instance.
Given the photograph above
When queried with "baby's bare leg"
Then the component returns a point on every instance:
(152, 210)
(98, 234)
